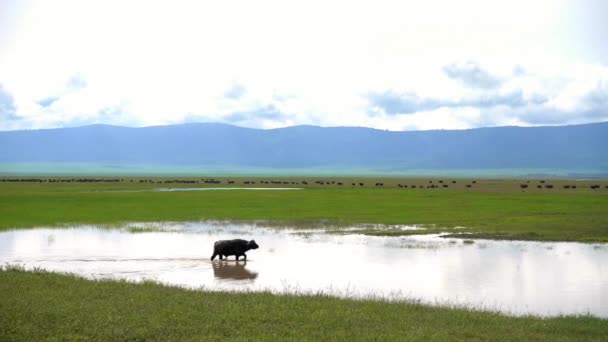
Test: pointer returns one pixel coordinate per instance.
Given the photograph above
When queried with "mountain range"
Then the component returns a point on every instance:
(558, 147)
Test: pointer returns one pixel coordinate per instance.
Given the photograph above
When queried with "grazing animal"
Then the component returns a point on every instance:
(236, 247)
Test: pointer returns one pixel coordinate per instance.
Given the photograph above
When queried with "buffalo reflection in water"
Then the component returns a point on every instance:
(232, 270)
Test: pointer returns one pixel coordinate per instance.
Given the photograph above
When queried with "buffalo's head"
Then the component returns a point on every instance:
(253, 245)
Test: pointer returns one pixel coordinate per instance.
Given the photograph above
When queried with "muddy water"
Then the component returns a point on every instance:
(512, 277)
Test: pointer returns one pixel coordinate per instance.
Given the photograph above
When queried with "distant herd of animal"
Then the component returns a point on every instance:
(550, 186)
(432, 184)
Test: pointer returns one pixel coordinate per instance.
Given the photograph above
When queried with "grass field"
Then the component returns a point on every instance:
(44, 306)
(36, 306)
(498, 209)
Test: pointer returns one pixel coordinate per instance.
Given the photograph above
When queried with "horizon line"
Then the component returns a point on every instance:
(296, 126)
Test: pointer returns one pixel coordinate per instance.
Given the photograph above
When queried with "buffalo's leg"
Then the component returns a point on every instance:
(244, 256)
(237, 257)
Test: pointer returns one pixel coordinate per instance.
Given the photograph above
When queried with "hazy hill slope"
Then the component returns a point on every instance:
(581, 146)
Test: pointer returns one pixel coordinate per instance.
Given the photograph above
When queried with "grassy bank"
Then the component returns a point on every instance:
(37, 306)
(493, 210)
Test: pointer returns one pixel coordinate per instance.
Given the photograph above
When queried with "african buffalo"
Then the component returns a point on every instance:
(236, 247)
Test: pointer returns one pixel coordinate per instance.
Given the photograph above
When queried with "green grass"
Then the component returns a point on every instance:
(43, 306)
(491, 209)
(38, 306)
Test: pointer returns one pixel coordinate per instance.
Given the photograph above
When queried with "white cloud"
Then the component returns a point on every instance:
(436, 65)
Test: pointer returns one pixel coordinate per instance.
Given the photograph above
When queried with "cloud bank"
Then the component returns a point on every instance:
(387, 65)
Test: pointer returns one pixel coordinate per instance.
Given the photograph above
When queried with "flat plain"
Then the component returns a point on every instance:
(532, 209)
(43, 306)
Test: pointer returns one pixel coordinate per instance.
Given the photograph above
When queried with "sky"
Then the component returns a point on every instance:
(394, 65)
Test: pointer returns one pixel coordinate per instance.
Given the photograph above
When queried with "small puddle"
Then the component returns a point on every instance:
(514, 277)
(202, 189)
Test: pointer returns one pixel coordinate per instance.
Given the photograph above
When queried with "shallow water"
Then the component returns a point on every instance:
(202, 189)
(509, 276)
(205, 189)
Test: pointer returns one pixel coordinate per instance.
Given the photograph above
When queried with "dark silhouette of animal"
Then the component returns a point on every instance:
(236, 247)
